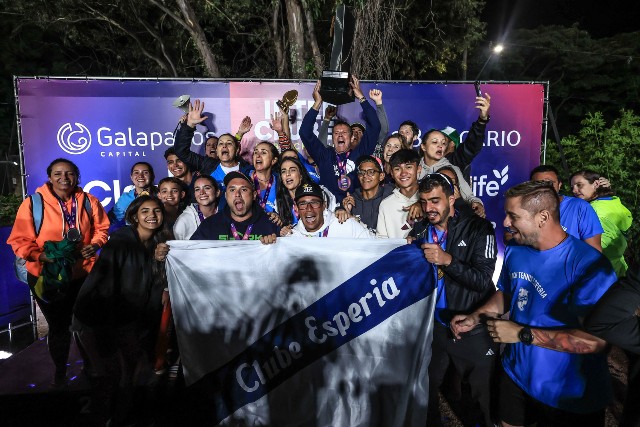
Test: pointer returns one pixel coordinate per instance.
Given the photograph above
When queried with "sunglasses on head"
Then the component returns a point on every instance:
(441, 178)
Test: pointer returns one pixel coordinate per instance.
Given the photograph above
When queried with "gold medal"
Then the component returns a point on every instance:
(440, 273)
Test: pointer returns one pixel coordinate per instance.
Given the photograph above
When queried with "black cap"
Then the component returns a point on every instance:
(309, 189)
(359, 125)
(236, 174)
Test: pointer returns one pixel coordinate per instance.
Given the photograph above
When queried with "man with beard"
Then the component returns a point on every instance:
(241, 218)
(461, 247)
(550, 280)
(318, 221)
(337, 170)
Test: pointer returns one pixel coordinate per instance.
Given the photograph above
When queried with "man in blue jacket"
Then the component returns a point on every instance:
(335, 164)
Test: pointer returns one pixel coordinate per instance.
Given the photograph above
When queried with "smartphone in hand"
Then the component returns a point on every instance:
(477, 86)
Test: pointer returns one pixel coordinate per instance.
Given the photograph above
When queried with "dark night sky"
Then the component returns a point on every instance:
(601, 18)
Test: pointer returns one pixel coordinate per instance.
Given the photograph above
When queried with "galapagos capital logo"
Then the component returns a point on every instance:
(74, 140)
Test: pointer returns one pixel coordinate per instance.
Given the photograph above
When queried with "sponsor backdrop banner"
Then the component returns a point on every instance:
(311, 337)
(105, 126)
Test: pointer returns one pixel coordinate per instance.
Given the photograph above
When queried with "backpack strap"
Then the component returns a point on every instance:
(87, 207)
(37, 211)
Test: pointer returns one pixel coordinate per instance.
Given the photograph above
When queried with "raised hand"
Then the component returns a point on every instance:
(245, 125)
(355, 85)
(276, 122)
(376, 95)
(483, 103)
(330, 112)
(195, 113)
(317, 98)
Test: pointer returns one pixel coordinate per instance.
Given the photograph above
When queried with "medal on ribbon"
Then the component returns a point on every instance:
(344, 182)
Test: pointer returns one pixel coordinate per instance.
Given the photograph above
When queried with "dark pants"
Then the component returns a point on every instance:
(58, 314)
(474, 358)
(518, 408)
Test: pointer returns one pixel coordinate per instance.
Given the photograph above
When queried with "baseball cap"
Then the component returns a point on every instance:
(309, 189)
(236, 174)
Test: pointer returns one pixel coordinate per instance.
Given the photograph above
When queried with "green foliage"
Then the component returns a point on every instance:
(585, 74)
(611, 150)
(8, 207)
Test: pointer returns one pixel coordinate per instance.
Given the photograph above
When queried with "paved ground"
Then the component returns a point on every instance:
(617, 366)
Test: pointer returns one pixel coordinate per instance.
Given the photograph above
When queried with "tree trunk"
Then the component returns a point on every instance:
(199, 38)
(296, 38)
(278, 41)
(313, 41)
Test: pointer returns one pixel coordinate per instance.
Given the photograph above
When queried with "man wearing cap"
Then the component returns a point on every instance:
(241, 218)
(335, 164)
(461, 247)
(318, 221)
(364, 204)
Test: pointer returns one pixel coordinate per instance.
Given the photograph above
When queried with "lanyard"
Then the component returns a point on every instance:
(200, 214)
(434, 237)
(256, 183)
(342, 166)
(69, 217)
(236, 235)
(324, 233)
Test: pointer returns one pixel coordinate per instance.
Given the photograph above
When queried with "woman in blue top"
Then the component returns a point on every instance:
(265, 180)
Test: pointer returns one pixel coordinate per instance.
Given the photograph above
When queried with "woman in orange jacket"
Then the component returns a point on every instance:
(64, 216)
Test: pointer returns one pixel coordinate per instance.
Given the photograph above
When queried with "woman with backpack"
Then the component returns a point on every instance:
(71, 226)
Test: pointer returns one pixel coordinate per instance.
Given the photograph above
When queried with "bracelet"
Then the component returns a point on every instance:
(362, 99)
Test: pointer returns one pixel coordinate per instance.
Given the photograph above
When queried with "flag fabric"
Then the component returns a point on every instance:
(305, 332)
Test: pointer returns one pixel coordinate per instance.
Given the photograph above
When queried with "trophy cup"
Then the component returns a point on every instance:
(182, 103)
(335, 87)
(288, 99)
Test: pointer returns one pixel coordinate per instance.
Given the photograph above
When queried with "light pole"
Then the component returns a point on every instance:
(496, 50)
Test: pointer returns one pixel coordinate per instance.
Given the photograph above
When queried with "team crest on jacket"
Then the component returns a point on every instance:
(523, 298)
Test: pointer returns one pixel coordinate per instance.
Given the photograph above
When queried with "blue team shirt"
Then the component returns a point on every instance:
(578, 218)
(553, 289)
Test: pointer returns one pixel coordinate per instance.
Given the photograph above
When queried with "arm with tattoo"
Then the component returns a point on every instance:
(567, 340)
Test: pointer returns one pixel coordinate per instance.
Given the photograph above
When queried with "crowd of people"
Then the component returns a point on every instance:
(101, 275)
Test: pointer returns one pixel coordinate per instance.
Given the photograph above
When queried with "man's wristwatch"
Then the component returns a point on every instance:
(362, 99)
(484, 121)
(525, 336)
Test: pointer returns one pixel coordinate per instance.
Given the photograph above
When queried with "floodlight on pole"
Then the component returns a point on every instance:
(495, 50)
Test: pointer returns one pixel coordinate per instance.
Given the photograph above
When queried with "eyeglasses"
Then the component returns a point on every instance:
(315, 204)
(368, 172)
(443, 179)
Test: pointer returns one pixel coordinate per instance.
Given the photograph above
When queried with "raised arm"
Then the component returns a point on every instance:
(184, 135)
(323, 132)
(464, 153)
(370, 137)
(311, 142)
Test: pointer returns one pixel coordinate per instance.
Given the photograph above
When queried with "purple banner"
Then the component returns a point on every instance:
(105, 126)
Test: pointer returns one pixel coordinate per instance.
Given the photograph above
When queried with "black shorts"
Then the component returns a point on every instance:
(519, 409)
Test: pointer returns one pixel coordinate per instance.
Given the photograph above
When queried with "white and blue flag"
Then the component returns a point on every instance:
(313, 332)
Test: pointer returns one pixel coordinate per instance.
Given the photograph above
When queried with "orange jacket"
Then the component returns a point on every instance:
(26, 245)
